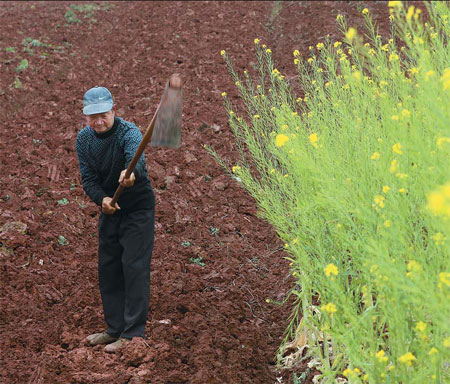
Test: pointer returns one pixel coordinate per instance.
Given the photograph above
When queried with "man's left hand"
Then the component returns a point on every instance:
(126, 182)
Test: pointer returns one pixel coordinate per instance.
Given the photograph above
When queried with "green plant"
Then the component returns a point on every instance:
(186, 243)
(10, 49)
(197, 260)
(276, 9)
(62, 240)
(17, 84)
(22, 65)
(214, 231)
(71, 17)
(353, 174)
(63, 201)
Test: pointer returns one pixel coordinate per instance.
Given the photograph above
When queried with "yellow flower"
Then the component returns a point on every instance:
(222, 52)
(402, 190)
(393, 56)
(339, 17)
(439, 201)
(379, 200)
(357, 75)
(438, 238)
(337, 44)
(347, 372)
(394, 117)
(421, 326)
(397, 148)
(413, 266)
(236, 168)
(296, 61)
(446, 342)
(281, 139)
(256, 116)
(444, 278)
(256, 41)
(319, 46)
(313, 138)
(381, 356)
(267, 300)
(387, 223)
(351, 33)
(296, 53)
(330, 308)
(268, 50)
(375, 156)
(224, 94)
(365, 11)
(410, 13)
(401, 175)
(406, 113)
(330, 270)
(433, 351)
(386, 189)
(393, 166)
(407, 358)
(395, 4)
(441, 141)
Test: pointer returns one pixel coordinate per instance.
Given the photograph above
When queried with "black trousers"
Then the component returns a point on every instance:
(124, 254)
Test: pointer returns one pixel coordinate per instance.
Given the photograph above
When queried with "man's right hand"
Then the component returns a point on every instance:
(107, 208)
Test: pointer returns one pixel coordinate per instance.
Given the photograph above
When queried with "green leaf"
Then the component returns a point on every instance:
(63, 201)
(22, 65)
(62, 240)
(197, 260)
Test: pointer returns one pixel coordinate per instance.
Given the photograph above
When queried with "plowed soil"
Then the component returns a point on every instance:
(215, 262)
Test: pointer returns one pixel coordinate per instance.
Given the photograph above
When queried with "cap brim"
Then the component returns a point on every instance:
(97, 108)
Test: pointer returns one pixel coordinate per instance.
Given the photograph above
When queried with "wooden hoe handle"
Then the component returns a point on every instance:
(147, 137)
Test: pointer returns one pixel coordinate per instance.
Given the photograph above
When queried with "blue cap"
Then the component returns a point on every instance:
(97, 100)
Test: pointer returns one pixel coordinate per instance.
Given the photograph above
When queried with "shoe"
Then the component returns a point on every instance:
(117, 345)
(100, 338)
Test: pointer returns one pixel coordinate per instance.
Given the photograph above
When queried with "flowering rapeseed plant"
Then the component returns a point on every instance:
(356, 171)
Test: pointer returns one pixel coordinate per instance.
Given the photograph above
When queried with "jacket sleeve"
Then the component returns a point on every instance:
(89, 179)
(132, 139)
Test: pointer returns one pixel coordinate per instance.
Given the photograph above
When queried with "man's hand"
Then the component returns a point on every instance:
(107, 208)
(126, 182)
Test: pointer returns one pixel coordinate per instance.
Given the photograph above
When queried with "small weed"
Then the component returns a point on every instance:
(278, 6)
(63, 201)
(301, 379)
(71, 17)
(62, 240)
(10, 49)
(73, 186)
(186, 243)
(17, 84)
(36, 141)
(197, 260)
(22, 65)
(41, 191)
(214, 231)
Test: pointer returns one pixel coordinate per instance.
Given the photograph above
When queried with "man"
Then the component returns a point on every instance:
(105, 147)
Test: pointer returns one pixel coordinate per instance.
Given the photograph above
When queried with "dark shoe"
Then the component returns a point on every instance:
(100, 338)
(117, 345)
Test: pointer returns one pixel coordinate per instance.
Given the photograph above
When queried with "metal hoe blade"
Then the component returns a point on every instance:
(167, 131)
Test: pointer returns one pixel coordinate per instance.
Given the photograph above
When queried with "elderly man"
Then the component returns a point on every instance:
(105, 148)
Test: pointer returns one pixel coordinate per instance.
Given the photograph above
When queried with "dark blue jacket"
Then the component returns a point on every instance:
(103, 156)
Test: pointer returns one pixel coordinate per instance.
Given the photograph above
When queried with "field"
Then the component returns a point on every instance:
(217, 267)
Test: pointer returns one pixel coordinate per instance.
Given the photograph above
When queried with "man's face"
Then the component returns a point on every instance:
(101, 122)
